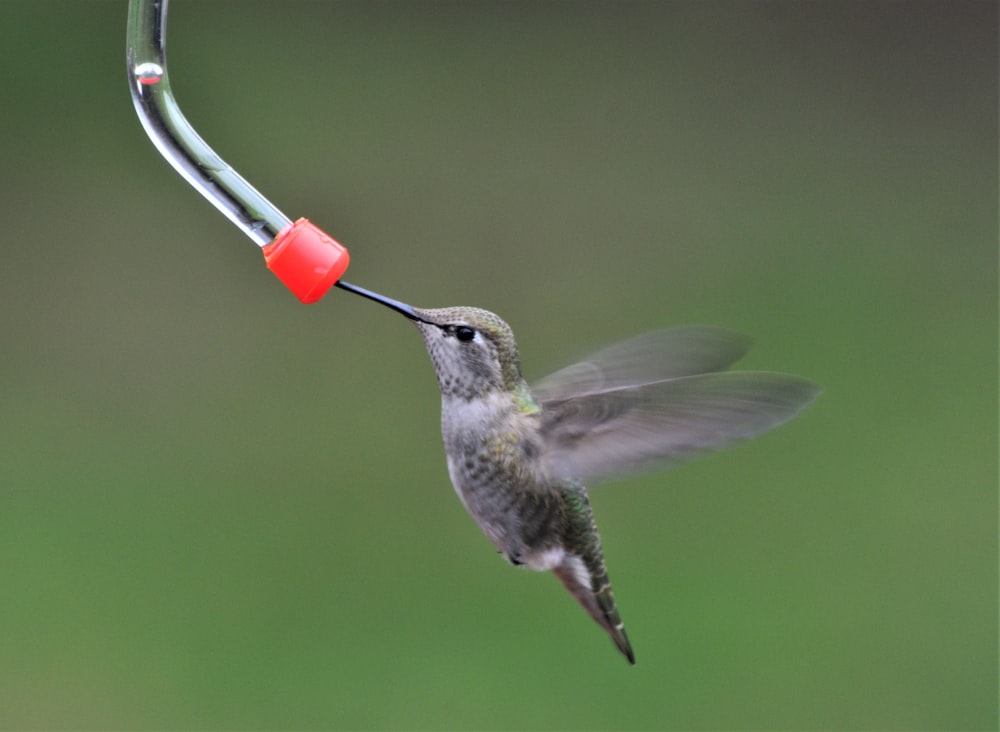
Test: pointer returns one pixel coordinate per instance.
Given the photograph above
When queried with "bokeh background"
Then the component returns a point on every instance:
(221, 509)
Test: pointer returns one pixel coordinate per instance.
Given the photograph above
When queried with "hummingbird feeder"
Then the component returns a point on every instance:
(306, 259)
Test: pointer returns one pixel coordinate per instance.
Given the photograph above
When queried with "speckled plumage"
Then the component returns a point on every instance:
(491, 425)
(519, 458)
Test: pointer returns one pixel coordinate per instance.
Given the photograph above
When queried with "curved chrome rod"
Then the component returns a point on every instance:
(198, 164)
(174, 137)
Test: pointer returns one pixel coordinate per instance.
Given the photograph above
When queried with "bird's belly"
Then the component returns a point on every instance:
(475, 496)
(519, 520)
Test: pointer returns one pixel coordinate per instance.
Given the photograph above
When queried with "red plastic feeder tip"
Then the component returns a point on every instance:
(306, 259)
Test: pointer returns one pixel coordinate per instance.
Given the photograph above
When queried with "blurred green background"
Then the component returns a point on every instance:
(221, 509)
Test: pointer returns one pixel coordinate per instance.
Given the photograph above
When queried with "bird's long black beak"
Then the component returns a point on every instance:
(399, 307)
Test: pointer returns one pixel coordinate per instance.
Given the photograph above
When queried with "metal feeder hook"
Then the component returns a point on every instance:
(306, 259)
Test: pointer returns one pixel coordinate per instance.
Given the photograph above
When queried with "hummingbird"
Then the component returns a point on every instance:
(521, 457)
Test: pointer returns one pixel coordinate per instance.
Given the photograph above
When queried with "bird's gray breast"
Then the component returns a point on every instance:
(494, 463)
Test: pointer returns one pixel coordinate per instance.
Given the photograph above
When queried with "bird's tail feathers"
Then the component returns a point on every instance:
(593, 592)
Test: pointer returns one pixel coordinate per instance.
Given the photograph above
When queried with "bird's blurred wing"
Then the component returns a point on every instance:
(600, 435)
(655, 356)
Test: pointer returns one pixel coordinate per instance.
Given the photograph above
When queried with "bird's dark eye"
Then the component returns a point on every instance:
(464, 333)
